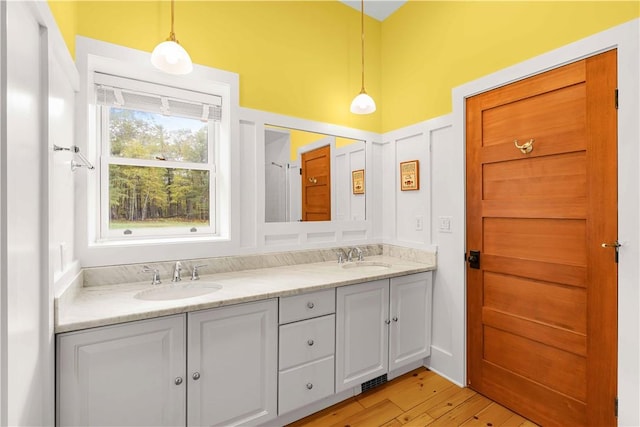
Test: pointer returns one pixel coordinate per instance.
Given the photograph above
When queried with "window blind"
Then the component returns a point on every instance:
(132, 94)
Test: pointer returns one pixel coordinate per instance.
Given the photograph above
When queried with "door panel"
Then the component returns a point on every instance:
(542, 307)
(316, 184)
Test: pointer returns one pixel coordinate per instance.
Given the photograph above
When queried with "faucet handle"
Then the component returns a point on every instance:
(155, 280)
(176, 272)
(194, 272)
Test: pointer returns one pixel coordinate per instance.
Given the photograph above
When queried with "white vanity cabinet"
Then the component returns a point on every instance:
(144, 374)
(124, 375)
(381, 326)
(232, 365)
(306, 349)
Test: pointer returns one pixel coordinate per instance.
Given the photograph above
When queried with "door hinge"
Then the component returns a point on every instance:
(616, 406)
(616, 98)
(300, 171)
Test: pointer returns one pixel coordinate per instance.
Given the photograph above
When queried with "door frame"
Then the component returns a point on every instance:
(626, 39)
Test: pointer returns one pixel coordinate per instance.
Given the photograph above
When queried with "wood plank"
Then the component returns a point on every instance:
(411, 383)
(557, 209)
(536, 178)
(514, 420)
(550, 118)
(335, 414)
(559, 338)
(560, 371)
(567, 75)
(549, 303)
(533, 400)
(375, 415)
(456, 399)
(492, 415)
(462, 413)
(602, 294)
(547, 240)
(538, 270)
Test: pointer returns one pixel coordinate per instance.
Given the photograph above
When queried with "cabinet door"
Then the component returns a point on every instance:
(123, 375)
(362, 313)
(410, 329)
(233, 350)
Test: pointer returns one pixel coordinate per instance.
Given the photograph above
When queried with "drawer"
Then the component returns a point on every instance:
(305, 384)
(306, 306)
(307, 340)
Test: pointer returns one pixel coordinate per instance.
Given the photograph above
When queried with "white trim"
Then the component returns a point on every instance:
(626, 39)
(97, 55)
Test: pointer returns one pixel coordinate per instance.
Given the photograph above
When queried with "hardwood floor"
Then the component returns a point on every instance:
(418, 398)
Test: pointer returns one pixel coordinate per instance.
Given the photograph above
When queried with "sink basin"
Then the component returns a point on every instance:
(178, 291)
(366, 265)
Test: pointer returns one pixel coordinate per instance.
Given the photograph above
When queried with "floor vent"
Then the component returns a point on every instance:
(374, 383)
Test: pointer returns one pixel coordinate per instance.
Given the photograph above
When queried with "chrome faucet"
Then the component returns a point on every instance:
(156, 274)
(358, 251)
(341, 255)
(176, 272)
(194, 273)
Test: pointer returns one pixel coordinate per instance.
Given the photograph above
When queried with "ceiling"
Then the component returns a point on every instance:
(378, 9)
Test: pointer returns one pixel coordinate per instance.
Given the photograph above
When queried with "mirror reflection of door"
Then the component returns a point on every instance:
(316, 184)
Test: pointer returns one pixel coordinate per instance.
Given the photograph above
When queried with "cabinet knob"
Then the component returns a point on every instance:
(178, 381)
(395, 319)
(387, 321)
(196, 376)
(310, 342)
(309, 386)
(310, 304)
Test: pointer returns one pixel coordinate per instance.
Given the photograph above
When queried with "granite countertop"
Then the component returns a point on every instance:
(92, 306)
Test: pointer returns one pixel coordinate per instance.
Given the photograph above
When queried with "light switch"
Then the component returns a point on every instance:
(444, 224)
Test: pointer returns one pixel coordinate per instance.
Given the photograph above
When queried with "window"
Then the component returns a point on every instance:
(158, 148)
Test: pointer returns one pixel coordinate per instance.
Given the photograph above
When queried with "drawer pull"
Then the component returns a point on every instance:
(310, 343)
(196, 376)
(178, 381)
(310, 304)
(395, 319)
(387, 321)
(309, 386)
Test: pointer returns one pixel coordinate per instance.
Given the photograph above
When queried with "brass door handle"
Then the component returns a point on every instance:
(313, 180)
(615, 245)
(525, 148)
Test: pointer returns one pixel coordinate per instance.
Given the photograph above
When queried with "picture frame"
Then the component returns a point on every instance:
(409, 175)
(357, 181)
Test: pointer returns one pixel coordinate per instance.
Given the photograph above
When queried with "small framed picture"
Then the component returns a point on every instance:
(409, 175)
(357, 181)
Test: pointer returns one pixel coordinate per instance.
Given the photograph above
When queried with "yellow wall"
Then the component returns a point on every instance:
(302, 58)
(298, 58)
(428, 47)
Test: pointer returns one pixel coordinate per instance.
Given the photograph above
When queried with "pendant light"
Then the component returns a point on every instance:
(169, 56)
(362, 103)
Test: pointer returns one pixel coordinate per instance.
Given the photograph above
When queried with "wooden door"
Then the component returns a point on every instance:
(232, 365)
(123, 375)
(316, 184)
(410, 312)
(542, 307)
(362, 333)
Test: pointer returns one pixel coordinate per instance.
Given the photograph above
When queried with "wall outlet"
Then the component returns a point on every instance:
(419, 223)
(444, 224)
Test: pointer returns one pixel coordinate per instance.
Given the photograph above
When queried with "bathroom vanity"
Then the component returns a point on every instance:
(264, 347)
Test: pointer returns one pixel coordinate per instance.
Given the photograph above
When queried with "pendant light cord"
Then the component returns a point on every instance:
(172, 35)
(361, 40)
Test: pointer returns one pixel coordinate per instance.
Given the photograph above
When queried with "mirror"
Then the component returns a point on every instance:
(311, 176)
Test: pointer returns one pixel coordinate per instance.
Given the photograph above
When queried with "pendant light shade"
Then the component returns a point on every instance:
(169, 56)
(362, 103)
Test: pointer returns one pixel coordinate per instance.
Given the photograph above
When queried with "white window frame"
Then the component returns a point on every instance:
(97, 56)
(103, 139)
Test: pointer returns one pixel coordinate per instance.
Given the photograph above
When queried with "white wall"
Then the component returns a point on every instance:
(36, 200)
(433, 144)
